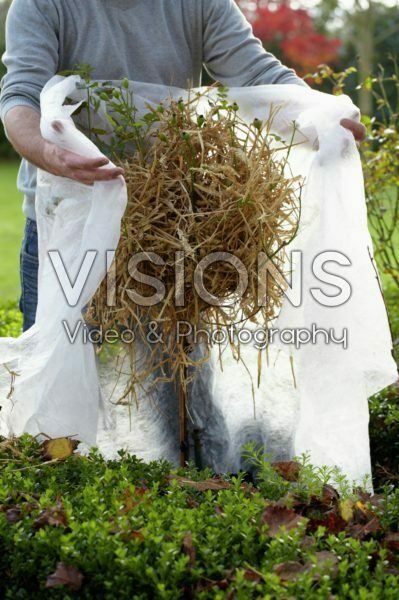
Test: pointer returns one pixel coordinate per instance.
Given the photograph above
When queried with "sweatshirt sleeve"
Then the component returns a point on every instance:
(31, 56)
(233, 55)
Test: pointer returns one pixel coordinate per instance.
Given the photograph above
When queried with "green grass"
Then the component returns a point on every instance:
(11, 231)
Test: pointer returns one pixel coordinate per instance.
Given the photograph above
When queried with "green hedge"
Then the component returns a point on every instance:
(88, 528)
(10, 320)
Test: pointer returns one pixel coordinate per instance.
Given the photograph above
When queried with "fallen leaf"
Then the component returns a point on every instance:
(289, 470)
(276, 517)
(215, 484)
(58, 448)
(289, 571)
(346, 509)
(362, 531)
(332, 521)
(128, 502)
(27, 497)
(325, 561)
(205, 585)
(251, 575)
(329, 496)
(136, 535)
(188, 549)
(13, 515)
(54, 517)
(307, 543)
(248, 488)
(65, 575)
(377, 500)
(191, 503)
(392, 541)
(362, 507)
(291, 500)
(367, 497)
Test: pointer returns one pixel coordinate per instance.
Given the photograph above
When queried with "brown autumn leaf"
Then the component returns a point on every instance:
(248, 488)
(65, 575)
(136, 535)
(276, 517)
(251, 575)
(206, 585)
(308, 542)
(289, 469)
(332, 521)
(191, 503)
(214, 484)
(377, 500)
(329, 496)
(325, 561)
(128, 502)
(289, 571)
(368, 498)
(392, 541)
(291, 500)
(362, 513)
(13, 515)
(361, 531)
(53, 516)
(27, 496)
(58, 448)
(189, 549)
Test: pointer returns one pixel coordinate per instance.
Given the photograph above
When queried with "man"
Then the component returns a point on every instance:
(158, 41)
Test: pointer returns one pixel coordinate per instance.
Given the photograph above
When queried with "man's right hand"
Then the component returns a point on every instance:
(23, 130)
(85, 170)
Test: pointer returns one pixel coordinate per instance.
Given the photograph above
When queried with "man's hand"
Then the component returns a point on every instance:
(358, 129)
(23, 129)
(67, 164)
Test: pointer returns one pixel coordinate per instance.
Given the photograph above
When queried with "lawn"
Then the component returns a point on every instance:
(11, 231)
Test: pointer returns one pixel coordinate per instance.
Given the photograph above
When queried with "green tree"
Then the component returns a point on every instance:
(370, 34)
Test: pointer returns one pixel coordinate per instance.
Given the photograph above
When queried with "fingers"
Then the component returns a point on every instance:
(90, 176)
(75, 161)
(358, 129)
(88, 170)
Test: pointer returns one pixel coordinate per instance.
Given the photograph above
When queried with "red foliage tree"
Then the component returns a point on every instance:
(291, 35)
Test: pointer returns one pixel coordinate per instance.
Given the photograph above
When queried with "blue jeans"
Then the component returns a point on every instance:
(29, 265)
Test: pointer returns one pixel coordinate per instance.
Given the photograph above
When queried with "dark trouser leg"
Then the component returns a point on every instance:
(29, 265)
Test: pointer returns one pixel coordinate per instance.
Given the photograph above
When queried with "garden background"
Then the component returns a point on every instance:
(349, 46)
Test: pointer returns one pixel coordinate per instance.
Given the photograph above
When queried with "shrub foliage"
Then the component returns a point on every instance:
(83, 527)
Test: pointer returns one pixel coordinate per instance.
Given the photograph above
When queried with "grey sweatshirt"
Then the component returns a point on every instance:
(156, 41)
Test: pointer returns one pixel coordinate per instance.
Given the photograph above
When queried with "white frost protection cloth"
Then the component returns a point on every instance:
(56, 387)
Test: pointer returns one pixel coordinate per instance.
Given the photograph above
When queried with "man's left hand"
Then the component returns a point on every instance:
(358, 129)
